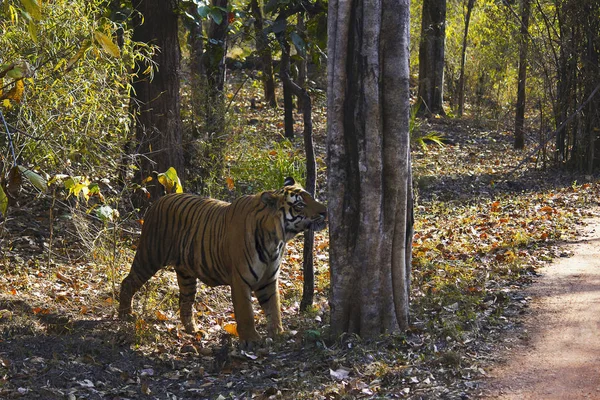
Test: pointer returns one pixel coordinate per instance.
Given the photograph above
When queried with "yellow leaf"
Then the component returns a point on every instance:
(3, 202)
(16, 92)
(107, 44)
(86, 45)
(6, 103)
(170, 181)
(231, 329)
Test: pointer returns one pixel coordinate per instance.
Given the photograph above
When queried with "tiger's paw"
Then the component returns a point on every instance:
(275, 331)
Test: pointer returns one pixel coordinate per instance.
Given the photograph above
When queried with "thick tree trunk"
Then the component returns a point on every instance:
(369, 174)
(156, 104)
(264, 52)
(520, 109)
(431, 58)
(463, 59)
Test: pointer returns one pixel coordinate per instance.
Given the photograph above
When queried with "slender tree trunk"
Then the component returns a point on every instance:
(369, 174)
(197, 72)
(156, 104)
(311, 170)
(520, 112)
(264, 53)
(591, 78)
(301, 63)
(288, 104)
(463, 58)
(431, 58)
(213, 61)
(214, 65)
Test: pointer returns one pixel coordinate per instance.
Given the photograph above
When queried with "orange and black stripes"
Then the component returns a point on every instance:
(239, 244)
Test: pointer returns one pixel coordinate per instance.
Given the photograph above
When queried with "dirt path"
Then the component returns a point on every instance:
(560, 358)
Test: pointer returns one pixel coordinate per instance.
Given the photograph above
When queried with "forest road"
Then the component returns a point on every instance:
(560, 357)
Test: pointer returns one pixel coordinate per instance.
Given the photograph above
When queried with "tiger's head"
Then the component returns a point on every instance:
(301, 211)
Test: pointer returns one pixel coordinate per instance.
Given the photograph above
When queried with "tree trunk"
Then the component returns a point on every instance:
(288, 104)
(520, 112)
(463, 58)
(264, 53)
(311, 170)
(156, 102)
(197, 72)
(369, 174)
(214, 64)
(301, 63)
(431, 58)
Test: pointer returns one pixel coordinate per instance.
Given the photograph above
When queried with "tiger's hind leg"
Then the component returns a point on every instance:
(139, 274)
(187, 298)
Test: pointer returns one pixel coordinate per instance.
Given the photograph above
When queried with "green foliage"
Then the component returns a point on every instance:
(73, 111)
(265, 167)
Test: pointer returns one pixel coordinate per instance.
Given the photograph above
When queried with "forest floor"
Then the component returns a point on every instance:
(483, 233)
(557, 353)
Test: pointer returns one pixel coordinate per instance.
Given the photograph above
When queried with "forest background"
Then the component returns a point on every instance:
(73, 167)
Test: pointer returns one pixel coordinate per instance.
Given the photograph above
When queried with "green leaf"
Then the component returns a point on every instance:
(3, 202)
(16, 73)
(32, 7)
(279, 26)
(298, 43)
(107, 44)
(203, 11)
(216, 15)
(270, 6)
(36, 180)
(107, 213)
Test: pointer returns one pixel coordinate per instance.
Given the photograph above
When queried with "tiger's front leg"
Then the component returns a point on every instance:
(244, 315)
(268, 298)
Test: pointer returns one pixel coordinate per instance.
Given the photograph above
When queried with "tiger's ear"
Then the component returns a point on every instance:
(289, 181)
(270, 199)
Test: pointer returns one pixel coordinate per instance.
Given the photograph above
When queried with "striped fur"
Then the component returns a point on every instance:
(239, 244)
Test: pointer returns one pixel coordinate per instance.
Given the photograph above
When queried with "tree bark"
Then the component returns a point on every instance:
(156, 101)
(522, 78)
(301, 64)
(288, 104)
(197, 72)
(311, 171)
(369, 173)
(264, 53)
(463, 59)
(214, 65)
(431, 58)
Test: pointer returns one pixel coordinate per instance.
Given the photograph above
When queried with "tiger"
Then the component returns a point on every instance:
(240, 244)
